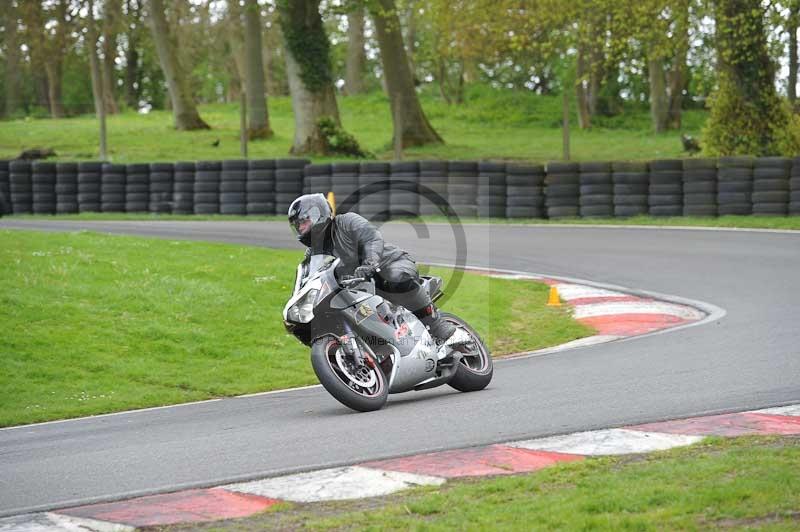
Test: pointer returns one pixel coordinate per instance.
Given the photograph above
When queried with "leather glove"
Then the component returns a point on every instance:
(366, 271)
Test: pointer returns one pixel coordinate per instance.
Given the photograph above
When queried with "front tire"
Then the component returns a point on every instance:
(363, 389)
(475, 369)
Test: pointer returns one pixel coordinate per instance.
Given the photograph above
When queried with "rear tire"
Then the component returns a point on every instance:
(333, 373)
(475, 369)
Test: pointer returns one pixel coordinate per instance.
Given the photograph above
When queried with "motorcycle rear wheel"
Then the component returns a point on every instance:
(364, 389)
(475, 369)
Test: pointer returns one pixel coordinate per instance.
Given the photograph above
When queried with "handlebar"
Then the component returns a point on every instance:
(348, 281)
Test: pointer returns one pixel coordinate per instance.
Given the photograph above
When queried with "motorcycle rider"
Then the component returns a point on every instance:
(363, 253)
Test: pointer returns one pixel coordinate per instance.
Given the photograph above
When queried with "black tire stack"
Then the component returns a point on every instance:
(433, 188)
(261, 187)
(317, 179)
(20, 187)
(699, 187)
(491, 190)
(162, 180)
(89, 186)
(66, 188)
(631, 188)
(596, 190)
(404, 193)
(206, 187)
(137, 187)
(525, 191)
(666, 187)
(183, 189)
(462, 188)
(112, 188)
(735, 185)
(344, 184)
(43, 180)
(562, 190)
(771, 186)
(794, 187)
(288, 182)
(373, 190)
(5, 189)
(233, 188)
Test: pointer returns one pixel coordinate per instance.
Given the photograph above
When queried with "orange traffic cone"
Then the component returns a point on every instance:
(554, 300)
(332, 203)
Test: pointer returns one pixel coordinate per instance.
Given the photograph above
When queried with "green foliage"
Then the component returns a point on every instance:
(307, 41)
(338, 141)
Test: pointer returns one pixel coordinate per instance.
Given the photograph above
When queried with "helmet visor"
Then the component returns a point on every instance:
(304, 221)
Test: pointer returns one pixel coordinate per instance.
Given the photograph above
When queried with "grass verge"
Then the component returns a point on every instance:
(739, 222)
(746, 482)
(97, 323)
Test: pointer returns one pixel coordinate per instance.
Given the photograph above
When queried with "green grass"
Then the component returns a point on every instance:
(743, 222)
(96, 323)
(740, 483)
(491, 124)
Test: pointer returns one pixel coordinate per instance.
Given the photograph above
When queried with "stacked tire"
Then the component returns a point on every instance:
(183, 189)
(112, 188)
(771, 186)
(137, 188)
(373, 190)
(491, 190)
(288, 182)
(261, 187)
(317, 179)
(206, 187)
(562, 190)
(699, 187)
(89, 186)
(631, 188)
(666, 188)
(5, 189)
(596, 190)
(66, 188)
(233, 188)
(525, 191)
(433, 188)
(43, 180)
(404, 192)
(344, 184)
(162, 180)
(735, 185)
(462, 188)
(794, 187)
(20, 187)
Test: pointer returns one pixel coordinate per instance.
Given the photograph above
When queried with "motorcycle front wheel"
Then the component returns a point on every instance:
(361, 388)
(475, 369)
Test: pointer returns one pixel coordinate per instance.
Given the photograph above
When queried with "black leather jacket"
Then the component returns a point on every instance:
(355, 241)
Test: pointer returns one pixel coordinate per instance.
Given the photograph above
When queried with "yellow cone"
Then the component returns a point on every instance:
(554, 300)
(332, 202)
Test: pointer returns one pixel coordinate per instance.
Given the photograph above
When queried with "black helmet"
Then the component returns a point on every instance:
(309, 215)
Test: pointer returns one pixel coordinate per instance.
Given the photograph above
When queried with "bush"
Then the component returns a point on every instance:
(338, 141)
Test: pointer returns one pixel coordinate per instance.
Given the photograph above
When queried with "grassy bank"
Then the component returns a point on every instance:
(739, 483)
(742, 222)
(491, 124)
(95, 323)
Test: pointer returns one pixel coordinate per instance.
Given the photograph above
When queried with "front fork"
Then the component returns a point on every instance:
(350, 346)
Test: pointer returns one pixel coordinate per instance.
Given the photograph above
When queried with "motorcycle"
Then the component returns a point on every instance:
(363, 347)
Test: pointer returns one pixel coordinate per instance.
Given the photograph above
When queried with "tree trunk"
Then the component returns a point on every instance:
(659, 104)
(581, 96)
(53, 70)
(97, 81)
(416, 130)
(677, 74)
(310, 82)
(13, 78)
(794, 21)
(112, 12)
(184, 110)
(257, 113)
(356, 55)
(132, 70)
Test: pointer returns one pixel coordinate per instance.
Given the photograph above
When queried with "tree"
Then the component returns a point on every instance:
(746, 114)
(184, 109)
(96, 73)
(791, 28)
(55, 44)
(258, 116)
(112, 20)
(13, 81)
(409, 120)
(356, 62)
(133, 72)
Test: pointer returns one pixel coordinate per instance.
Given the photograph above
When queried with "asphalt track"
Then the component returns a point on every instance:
(748, 359)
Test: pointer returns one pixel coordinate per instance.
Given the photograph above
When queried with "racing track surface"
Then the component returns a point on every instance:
(749, 359)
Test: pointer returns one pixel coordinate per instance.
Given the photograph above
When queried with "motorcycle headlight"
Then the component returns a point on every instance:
(303, 310)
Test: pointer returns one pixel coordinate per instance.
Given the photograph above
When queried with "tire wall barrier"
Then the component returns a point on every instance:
(378, 190)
